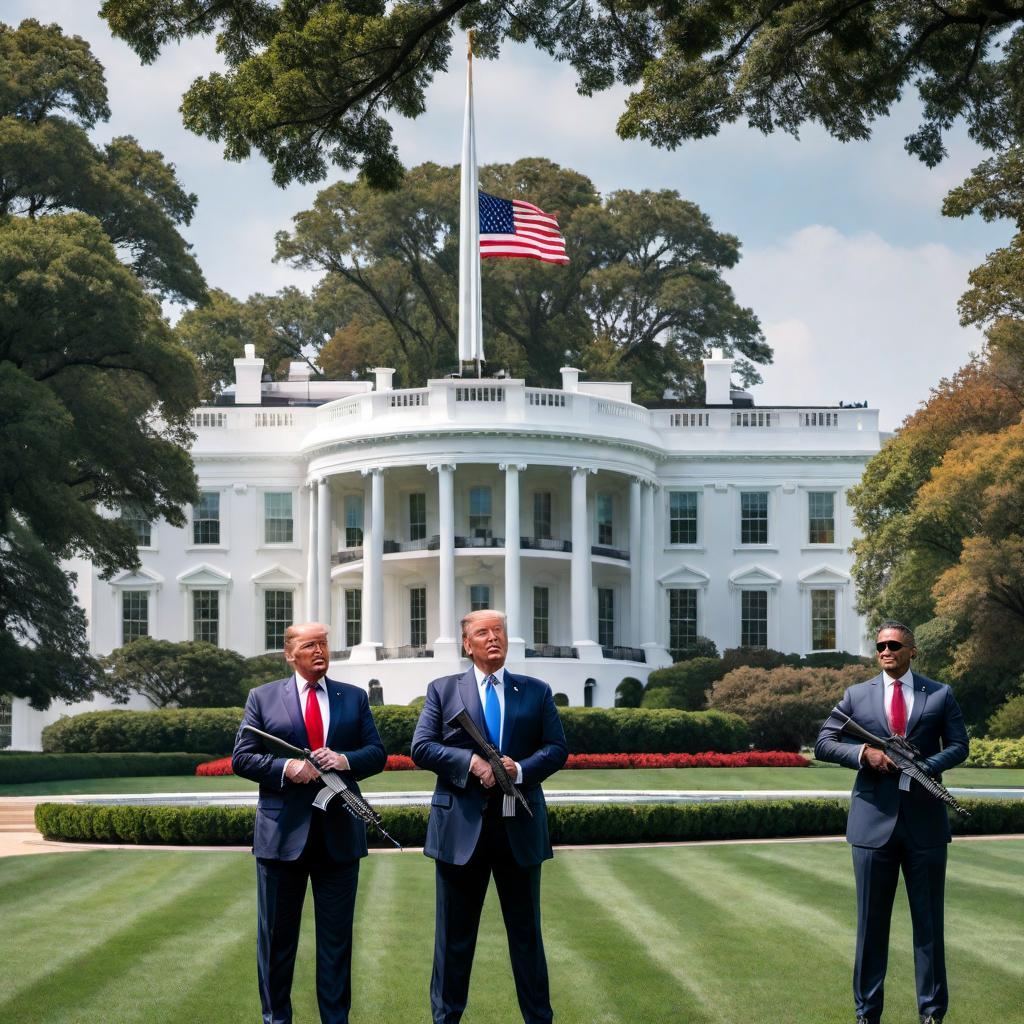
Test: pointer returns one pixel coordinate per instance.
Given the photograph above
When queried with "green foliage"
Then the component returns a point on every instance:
(685, 683)
(396, 725)
(996, 753)
(757, 657)
(189, 674)
(20, 767)
(835, 659)
(211, 729)
(629, 693)
(561, 700)
(1008, 721)
(702, 647)
(392, 281)
(785, 706)
(646, 731)
(260, 669)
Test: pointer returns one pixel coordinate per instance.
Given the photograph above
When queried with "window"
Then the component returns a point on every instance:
(542, 515)
(823, 620)
(754, 517)
(134, 615)
(277, 617)
(206, 616)
(479, 597)
(682, 618)
(480, 511)
(353, 521)
(754, 618)
(353, 617)
(140, 525)
(541, 615)
(278, 524)
(682, 517)
(206, 519)
(417, 516)
(821, 517)
(605, 523)
(606, 616)
(418, 616)
(6, 721)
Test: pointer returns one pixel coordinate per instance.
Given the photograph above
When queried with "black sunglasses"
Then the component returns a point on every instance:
(892, 645)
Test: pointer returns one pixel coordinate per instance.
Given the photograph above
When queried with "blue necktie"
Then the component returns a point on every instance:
(492, 712)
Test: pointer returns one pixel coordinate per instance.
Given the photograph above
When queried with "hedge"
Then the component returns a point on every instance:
(588, 730)
(22, 767)
(990, 753)
(570, 824)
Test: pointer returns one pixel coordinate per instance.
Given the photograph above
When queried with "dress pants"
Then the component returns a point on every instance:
(877, 874)
(461, 889)
(281, 890)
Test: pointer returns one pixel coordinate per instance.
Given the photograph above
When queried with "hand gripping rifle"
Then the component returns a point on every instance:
(334, 784)
(493, 757)
(905, 756)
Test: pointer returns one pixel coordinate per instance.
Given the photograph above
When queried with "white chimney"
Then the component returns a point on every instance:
(383, 376)
(570, 379)
(248, 374)
(299, 371)
(717, 373)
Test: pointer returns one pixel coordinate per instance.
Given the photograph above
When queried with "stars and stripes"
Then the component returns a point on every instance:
(514, 228)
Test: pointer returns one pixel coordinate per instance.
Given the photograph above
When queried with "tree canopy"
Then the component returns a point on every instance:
(643, 297)
(95, 392)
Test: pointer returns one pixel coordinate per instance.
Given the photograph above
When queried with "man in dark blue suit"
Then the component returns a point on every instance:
(295, 843)
(467, 835)
(894, 824)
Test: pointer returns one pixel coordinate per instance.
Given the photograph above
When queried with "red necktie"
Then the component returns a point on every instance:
(898, 710)
(314, 720)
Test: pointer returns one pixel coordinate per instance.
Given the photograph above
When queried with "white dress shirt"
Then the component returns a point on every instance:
(907, 679)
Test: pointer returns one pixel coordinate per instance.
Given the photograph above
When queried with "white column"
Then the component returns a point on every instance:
(580, 575)
(373, 561)
(323, 538)
(447, 644)
(312, 554)
(635, 561)
(657, 656)
(513, 597)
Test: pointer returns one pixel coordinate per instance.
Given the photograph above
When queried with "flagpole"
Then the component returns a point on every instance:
(471, 346)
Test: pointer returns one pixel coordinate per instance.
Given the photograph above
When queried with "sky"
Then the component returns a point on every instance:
(846, 258)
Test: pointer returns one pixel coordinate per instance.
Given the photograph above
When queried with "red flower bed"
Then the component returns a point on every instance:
(751, 759)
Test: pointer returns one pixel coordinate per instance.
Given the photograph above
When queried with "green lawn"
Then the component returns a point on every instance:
(679, 935)
(818, 776)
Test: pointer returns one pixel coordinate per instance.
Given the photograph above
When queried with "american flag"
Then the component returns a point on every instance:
(511, 227)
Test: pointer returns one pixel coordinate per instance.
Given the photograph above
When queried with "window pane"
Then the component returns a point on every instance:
(354, 617)
(606, 616)
(277, 617)
(206, 616)
(821, 517)
(682, 517)
(353, 521)
(823, 620)
(541, 616)
(418, 616)
(754, 517)
(6, 721)
(682, 619)
(754, 618)
(605, 525)
(277, 517)
(417, 516)
(206, 519)
(480, 511)
(141, 526)
(542, 515)
(134, 614)
(479, 597)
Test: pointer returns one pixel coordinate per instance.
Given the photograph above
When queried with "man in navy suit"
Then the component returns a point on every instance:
(467, 835)
(294, 842)
(893, 825)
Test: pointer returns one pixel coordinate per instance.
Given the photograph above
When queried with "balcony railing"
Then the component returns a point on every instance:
(346, 555)
(343, 655)
(606, 552)
(545, 544)
(479, 542)
(405, 651)
(624, 654)
(551, 651)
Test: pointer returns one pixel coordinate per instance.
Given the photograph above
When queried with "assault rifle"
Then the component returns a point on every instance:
(334, 784)
(905, 756)
(493, 757)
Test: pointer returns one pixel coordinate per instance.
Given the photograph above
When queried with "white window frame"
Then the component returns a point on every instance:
(224, 518)
(773, 517)
(295, 543)
(698, 544)
(838, 502)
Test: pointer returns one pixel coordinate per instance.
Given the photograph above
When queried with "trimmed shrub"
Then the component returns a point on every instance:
(702, 647)
(989, 753)
(164, 730)
(757, 657)
(646, 731)
(396, 724)
(784, 707)
(570, 824)
(629, 693)
(24, 767)
(683, 685)
(837, 659)
(1008, 721)
(561, 700)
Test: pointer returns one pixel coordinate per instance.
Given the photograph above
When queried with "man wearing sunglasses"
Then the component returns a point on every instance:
(895, 825)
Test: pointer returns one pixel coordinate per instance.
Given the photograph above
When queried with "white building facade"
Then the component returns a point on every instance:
(609, 533)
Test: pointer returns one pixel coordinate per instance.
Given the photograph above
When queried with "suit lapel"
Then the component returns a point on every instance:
(878, 706)
(513, 700)
(334, 701)
(292, 711)
(920, 697)
(470, 694)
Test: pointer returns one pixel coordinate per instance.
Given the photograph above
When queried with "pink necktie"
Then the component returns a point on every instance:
(898, 710)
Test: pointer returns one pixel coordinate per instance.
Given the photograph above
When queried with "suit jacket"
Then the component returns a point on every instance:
(284, 809)
(936, 728)
(533, 736)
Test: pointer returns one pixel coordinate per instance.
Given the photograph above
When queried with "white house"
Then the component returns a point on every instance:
(611, 534)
